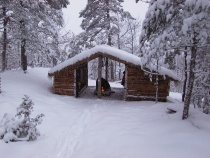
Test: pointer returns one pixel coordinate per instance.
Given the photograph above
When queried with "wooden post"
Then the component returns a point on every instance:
(99, 75)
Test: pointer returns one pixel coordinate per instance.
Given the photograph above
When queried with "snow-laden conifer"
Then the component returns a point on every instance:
(172, 27)
(39, 34)
(21, 127)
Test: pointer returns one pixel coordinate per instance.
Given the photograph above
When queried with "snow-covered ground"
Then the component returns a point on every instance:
(88, 127)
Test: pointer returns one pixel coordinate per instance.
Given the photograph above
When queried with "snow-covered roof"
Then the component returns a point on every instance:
(106, 50)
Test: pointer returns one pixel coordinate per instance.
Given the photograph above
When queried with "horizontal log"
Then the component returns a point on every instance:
(147, 78)
(64, 83)
(69, 80)
(63, 87)
(63, 90)
(147, 93)
(147, 90)
(142, 98)
(64, 75)
(63, 93)
(145, 86)
(140, 84)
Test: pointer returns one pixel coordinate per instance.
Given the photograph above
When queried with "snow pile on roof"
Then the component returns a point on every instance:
(104, 49)
(117, 53)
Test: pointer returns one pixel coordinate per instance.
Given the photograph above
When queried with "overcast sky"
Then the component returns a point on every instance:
(71, 13)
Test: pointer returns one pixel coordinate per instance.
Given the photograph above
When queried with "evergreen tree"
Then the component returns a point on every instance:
(174, 25)
(100, 17)
(23, 127)
(201, 91)
(58, 4)
(39, 37)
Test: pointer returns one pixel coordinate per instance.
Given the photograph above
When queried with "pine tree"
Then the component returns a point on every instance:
(40, 34)
(101, 16)
(5, 20)
(174, 25)
(22, 127)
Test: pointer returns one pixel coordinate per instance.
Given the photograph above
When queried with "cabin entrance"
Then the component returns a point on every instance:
(81, 79)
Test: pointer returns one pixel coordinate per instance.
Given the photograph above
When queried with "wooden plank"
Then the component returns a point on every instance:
(63, 79)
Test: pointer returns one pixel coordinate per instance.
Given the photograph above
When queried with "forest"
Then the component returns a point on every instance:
(174, 34)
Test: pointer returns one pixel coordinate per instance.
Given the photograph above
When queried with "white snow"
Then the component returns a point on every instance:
(9, 136)
(105, 128)
(117, 53)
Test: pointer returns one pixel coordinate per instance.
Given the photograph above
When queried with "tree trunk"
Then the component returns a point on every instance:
(109, 42)
(118, 43)
(23, 50)
(132, 42)
(108, 28)
(115, 70)
(99, 75)
(0, 83)
(185, 71)
(54, 61)
(156, 99)
(190, 84)
(4, 40)
(23, 56)
(112, 71)
(106, 70)
(120, 71)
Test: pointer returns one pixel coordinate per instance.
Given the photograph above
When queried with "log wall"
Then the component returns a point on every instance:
(140, 87)
(64, 82)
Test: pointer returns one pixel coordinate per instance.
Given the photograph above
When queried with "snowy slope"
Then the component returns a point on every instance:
(94, 128)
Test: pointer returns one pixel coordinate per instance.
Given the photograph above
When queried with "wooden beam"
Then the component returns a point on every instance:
(99, 75)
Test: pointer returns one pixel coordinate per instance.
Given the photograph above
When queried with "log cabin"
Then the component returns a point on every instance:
(71, 76)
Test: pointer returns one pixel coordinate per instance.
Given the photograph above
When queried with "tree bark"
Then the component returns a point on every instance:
(185, 71)
(4, 52)
(106, 69)
(23, 49)
(118, 43)
(108, 27)
(99, 75)
(109, 42)
(190, 84)
(112, 71)
(156, 99)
